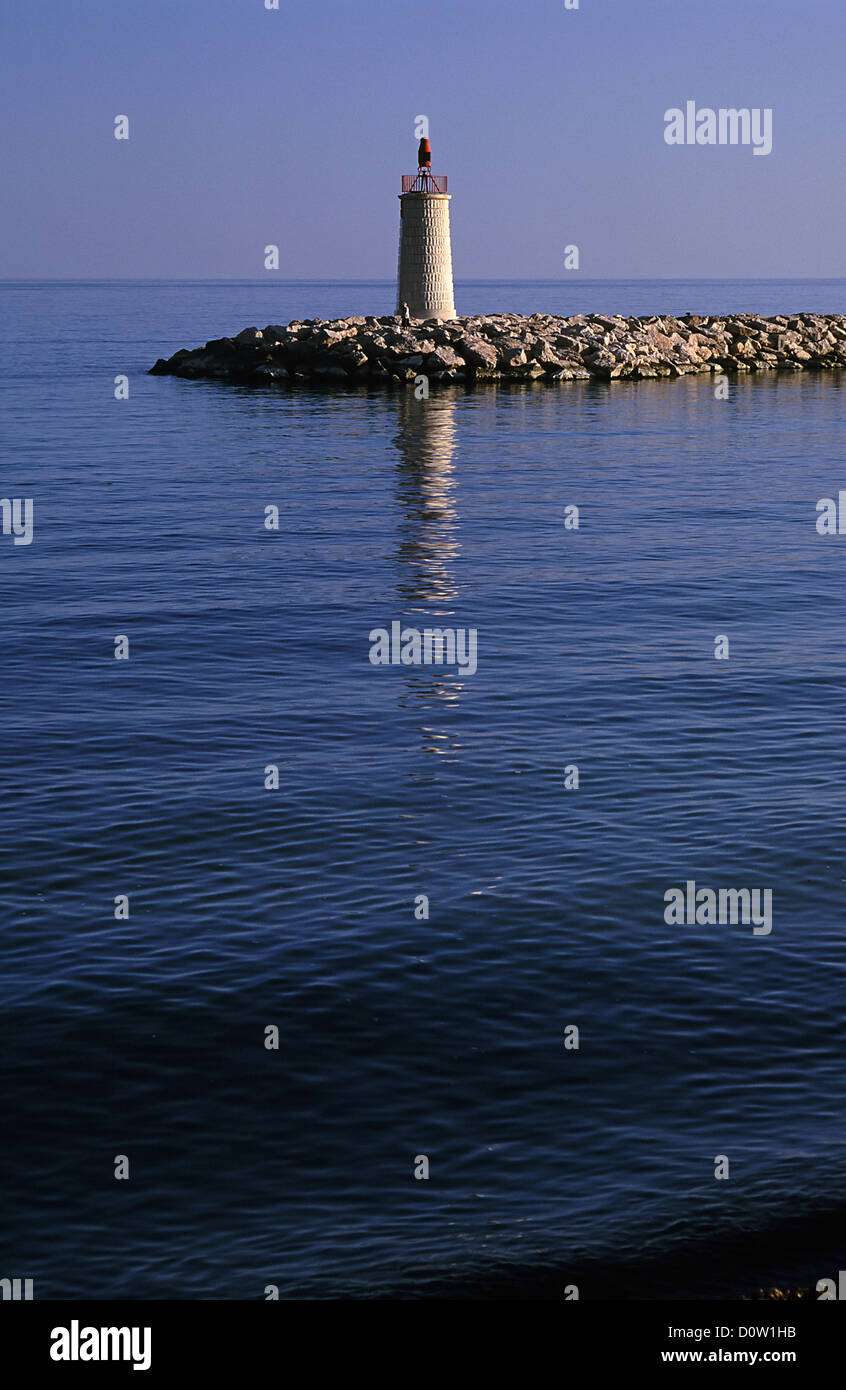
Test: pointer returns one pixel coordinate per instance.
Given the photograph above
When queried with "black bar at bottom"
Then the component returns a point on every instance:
(209, 1341)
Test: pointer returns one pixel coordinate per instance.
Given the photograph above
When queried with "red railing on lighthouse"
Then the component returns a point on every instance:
(424, 182)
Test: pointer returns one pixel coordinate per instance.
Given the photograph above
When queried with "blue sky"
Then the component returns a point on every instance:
(250, 127)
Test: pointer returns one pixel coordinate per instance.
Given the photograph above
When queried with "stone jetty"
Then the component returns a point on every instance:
(513, 347)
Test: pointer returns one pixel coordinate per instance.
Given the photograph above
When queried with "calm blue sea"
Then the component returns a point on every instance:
(249, 907)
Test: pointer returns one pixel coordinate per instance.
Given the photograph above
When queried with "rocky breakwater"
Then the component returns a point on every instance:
(514, 347)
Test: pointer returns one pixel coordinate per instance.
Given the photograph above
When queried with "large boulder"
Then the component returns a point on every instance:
(511, 352)
(325, 337)
(373, 344)
(444, 359)
(477, 353)
(350, 356)
(544, 353)
(604, 364)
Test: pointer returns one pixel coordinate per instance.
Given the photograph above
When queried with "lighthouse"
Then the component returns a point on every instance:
(424, 276)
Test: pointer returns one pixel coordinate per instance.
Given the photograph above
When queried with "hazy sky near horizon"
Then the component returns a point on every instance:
(292, 127)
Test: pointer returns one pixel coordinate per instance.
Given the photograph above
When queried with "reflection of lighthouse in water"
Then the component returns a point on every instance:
(424, 276)
(427, 548)
(425, 442)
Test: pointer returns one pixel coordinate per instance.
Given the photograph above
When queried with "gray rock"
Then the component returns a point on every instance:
(325, 337)
(478, 353)
(545, 353)
(511, 352)
(444, 359)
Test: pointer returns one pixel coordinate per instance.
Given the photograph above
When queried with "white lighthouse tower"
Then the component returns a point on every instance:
(424, 277)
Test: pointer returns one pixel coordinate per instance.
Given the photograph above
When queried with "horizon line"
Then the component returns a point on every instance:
(365, 280)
